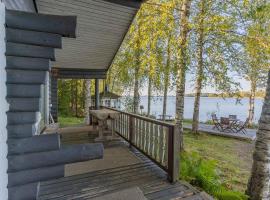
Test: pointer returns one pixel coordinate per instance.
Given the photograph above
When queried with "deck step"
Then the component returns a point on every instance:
(26, 50)
(75, 153)
(33, 144)
(35, 175)
(24, 104)
(24, 192)
(23, 90)
(62, 25)
(26, 76)
(34, 38)
(21, 130)
(23, 117)
(28, 63)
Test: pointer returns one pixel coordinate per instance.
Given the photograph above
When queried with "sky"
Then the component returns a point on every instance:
(190, 86)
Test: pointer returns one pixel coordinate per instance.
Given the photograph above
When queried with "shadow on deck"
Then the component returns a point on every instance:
(121, 168)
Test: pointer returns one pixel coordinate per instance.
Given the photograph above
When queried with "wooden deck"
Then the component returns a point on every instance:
(145, 175)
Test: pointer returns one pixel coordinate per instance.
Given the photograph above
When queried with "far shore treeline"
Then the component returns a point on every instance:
(241, 94)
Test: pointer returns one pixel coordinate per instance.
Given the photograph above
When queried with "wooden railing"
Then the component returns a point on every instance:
(156, 139)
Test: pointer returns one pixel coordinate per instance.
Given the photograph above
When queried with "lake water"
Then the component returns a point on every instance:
(222, 107)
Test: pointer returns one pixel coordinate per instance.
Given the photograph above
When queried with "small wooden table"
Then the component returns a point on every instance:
(103, 115)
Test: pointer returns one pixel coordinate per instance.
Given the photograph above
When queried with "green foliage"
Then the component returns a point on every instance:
(70, 121)
(205, 174)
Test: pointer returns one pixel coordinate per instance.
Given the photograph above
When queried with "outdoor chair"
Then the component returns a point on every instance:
(216, 122)
(241, 126)
(233, 122)
(225, 124)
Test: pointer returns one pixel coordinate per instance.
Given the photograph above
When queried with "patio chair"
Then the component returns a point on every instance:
(216, 122)
(233, 121)
(225, 124)
(241, 126)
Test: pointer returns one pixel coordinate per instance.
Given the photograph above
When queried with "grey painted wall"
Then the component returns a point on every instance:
(22, 5)
(4, 108)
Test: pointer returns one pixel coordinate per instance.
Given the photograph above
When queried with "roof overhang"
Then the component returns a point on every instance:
(101, 28)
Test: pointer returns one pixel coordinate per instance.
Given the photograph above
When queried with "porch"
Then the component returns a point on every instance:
(122, 169)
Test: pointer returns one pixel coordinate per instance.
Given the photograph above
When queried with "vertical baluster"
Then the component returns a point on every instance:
(142, 133)
(151, 139)
(166, 133)
(140, 136)
(160, 146)
(122, 123)
(156, 136)
(136, 130)
(126, 126)
(132, 123)
(147, 137)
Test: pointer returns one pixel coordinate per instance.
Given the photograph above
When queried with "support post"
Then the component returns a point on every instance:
(173, 154)
(96, 94)
(54, 96)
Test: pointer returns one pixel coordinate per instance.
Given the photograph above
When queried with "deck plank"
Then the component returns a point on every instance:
(146, 175)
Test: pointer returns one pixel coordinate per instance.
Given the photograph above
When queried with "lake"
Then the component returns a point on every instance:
(222, 107)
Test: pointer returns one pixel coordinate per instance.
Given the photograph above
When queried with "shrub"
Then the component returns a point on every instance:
(205, 175)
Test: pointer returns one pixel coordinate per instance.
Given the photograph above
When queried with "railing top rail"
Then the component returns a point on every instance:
(162, 123)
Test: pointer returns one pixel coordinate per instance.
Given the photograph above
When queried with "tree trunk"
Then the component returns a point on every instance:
(251, 103)
(76, 98)
(87, 100)
(181, 72)
(136, 92)
(149, 96)
(166, 80)
(72, 97)
(199, 76)
(259, 183)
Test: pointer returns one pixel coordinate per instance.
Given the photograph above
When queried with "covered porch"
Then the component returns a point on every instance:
(124, 171)
(145, 158)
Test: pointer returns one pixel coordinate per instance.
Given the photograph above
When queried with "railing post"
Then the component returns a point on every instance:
(131, 128)
(173, 154)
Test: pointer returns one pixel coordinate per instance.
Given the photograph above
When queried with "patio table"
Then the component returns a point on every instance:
(103, 115)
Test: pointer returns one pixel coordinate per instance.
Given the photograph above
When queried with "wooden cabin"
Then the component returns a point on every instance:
(42, 41)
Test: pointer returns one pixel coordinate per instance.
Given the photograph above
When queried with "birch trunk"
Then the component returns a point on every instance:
(251, 103)
(259, 183)
(166, 80)
(87, 100)
(199, 74)
(181, 72)
(149, 96)
(136, 91)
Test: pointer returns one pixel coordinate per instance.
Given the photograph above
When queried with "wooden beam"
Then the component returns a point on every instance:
(63, 25)
(129, 3)
(73, 73)
(96, 94)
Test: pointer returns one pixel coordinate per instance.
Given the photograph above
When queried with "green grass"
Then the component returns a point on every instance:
(70, 121)
(232, 157)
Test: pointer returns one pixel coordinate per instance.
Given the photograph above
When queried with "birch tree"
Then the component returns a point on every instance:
(259, 32)
(181, 71)
(87, 100)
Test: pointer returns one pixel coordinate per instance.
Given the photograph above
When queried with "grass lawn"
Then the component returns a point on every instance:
(70, 121)
(233, 157)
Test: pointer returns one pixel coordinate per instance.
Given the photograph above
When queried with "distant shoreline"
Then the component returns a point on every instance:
(207, 97)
